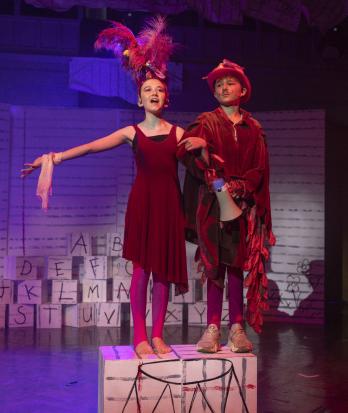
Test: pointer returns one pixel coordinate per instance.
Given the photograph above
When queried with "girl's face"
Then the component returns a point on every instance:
(153, 95)
(228, 91)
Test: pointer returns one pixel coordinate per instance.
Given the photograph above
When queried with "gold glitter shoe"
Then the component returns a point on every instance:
(159, 346)
(210, 340)
(238, 341)
(143, 348)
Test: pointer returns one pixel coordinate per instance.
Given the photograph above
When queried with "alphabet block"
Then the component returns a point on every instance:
(32, 292)
(174, 314)
(21, 315)
(64, 292)
(197, 314)
(108, 314)
(49, 316)
(80, 244)
(96, 267)
(94, 291)
(6, 291)
(121, 287)
(121, 267)
(114, 244)
(185, 298)
(23, 268)
(79, 315)
(2, 315)
(59, 268)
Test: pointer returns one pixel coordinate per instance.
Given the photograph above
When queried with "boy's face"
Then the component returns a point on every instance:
(228, 91)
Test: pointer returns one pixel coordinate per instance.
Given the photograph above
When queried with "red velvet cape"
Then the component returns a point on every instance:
(243, 148)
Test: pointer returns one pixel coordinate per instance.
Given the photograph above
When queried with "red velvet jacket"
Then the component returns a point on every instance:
(243, 148)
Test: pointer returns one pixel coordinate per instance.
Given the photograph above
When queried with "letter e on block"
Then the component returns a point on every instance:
(59, 268)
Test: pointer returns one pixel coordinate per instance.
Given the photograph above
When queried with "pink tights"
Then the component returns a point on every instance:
(235, 297)
(138, 294)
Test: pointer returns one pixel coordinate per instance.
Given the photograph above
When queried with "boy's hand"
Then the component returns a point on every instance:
(192, 143)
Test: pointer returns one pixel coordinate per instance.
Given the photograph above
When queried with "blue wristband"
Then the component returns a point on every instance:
(218, 184)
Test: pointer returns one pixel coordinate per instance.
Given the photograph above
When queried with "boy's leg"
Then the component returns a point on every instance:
(210, 340)
(237, 338)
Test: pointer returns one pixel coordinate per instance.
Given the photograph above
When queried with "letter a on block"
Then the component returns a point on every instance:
(80, 244)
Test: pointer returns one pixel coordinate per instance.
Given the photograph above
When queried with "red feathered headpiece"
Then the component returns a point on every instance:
(144, 56)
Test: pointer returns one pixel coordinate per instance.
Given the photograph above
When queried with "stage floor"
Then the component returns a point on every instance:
(301, 369)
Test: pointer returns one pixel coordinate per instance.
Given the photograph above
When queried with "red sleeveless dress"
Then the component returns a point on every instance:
(154, 227)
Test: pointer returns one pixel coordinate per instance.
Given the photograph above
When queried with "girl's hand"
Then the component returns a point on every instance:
(30, 167)
(192, 143)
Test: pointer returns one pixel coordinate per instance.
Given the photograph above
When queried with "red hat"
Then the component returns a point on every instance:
(228, 68)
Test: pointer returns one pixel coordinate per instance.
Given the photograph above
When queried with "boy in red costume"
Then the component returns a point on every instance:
(228, 143)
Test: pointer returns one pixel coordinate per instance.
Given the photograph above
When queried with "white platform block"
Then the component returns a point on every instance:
(22, 268)
(94, 291)
(108, 314)
(59, 268)
(6, 291)
(21, 315)
(95, 267)
(64, 292)
(2, 315)
(80, 244)
(49, 316)
(121, 289)
(118, 369)
(245, 366)
(79, 315)
(32, 292)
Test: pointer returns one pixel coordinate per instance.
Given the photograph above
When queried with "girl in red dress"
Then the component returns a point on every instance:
(154, 227)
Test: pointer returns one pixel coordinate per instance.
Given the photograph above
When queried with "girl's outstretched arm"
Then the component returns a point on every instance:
(102, 144)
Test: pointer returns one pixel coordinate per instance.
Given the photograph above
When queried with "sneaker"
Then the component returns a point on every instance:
(238, 341)
(210, 340)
